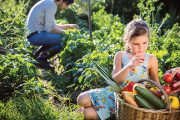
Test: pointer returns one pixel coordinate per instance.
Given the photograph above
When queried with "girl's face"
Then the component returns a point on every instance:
(139, 44)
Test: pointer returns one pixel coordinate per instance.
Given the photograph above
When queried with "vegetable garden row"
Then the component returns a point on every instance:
(29, 93)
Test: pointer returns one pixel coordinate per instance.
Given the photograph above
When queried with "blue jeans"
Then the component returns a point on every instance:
(50, 40)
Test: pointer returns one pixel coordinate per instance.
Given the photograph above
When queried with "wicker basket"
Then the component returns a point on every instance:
(125, 111)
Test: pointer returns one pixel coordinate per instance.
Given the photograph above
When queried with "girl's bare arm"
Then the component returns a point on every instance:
(153, 68)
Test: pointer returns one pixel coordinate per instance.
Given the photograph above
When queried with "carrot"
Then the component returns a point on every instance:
(129, 98)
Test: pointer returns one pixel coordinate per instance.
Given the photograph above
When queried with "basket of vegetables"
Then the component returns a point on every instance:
(141, 103)
(136, 101)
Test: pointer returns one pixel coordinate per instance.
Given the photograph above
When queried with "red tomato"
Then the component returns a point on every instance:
(167, 89)
(129, 86)
(177, 76)
(167, 77)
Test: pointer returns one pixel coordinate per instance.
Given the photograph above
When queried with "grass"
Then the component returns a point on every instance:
(37, 108)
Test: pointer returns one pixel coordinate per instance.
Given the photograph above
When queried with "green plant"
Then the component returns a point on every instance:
(37, 108)
(37, 87)
(9, 111)
(14, 71)
(12, 19)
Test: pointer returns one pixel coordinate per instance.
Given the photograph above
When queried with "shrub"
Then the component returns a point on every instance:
(14, 71)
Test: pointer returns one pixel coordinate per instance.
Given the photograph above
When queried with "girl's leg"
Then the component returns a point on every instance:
(84, 100)
(90, 114)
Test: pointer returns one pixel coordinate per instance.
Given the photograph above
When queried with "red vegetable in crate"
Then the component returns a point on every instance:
(129, 87)
(168, 77)
(167, 89)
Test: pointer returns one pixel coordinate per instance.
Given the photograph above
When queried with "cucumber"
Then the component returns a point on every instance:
(107, 77)
(150, 97)
(143, 103)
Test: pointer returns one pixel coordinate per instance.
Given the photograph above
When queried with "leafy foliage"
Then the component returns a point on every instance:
(12, 23)
(14, 71)
(164, 41)
(21, 82)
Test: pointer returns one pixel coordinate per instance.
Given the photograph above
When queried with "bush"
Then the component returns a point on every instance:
(14, 71)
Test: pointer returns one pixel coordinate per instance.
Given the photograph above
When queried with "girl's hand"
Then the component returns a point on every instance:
(173, 71)
(176, 85)
(135, 61)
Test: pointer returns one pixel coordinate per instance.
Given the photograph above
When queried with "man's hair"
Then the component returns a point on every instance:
(67, 1)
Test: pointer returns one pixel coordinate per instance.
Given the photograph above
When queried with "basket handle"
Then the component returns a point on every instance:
(161, 89)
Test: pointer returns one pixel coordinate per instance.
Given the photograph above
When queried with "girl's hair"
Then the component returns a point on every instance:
(135, 28)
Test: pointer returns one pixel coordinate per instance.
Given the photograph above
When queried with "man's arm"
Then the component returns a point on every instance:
(57, 30)
(68, 26)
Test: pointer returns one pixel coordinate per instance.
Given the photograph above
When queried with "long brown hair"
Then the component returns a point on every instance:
(133, 29)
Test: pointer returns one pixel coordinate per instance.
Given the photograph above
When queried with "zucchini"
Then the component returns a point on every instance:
(150, 97)
(143, 103)
(107, 77)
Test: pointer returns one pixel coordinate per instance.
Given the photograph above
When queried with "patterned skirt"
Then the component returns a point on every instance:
(103, 101)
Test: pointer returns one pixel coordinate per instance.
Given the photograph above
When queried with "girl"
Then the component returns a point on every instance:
(133, 64)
